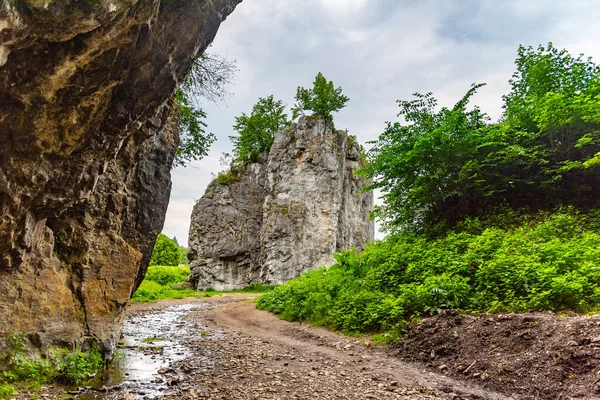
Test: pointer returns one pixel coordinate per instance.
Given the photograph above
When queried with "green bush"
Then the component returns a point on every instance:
(165, 252)
(228, 177)
(61, 365)
(551, 262)
(167, 275)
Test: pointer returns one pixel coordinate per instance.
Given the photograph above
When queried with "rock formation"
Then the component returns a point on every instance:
(88, 130)
(284, 215)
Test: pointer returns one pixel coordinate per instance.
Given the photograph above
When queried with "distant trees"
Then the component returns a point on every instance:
(441, 166)
(323, 99)
(166, 252)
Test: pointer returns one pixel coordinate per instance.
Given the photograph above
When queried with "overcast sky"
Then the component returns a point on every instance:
(378, 51)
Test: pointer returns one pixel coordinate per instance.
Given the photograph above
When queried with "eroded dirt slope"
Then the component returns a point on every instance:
(532, 356)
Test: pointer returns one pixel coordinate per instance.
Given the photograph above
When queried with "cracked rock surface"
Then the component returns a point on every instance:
(285, 214)
(88, 132)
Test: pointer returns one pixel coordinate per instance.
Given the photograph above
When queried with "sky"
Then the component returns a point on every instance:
(378, 51)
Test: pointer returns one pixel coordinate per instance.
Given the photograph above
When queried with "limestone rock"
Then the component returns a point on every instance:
(224, 232)
(88, 132)
(286, 215)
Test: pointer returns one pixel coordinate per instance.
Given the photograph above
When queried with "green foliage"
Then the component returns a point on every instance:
(158, 284)
(194, 141)
(438, 167)
(323, 99)
(77, 366)
(61, 365)
(6, 391)
(183, 255)
(422, 164)
(548, 263)
(255, 132)
(165, 252)
(208, 79)
(159, 281)
(167, 275)
(228, 177)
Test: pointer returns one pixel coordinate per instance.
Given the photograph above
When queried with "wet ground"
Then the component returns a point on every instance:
(152, 341)
(223, 348)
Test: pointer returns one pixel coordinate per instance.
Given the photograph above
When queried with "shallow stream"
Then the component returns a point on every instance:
(152, 342)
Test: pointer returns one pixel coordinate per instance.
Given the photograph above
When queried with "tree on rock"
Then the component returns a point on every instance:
(166, 252)
(323, 99)
(256, 131)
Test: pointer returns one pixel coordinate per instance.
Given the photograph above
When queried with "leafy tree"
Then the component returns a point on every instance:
(207, 79)
(439, 167)
(322, 99)
(165, 252)
(194, 141)
(422, 163)
(257, 130)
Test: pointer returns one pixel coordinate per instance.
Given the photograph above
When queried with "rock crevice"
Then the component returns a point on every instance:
(287, 213)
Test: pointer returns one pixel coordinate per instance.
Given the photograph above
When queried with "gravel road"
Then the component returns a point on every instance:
(239, 352)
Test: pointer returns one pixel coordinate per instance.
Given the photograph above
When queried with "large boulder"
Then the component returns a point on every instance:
(88, 131)
(284, 215)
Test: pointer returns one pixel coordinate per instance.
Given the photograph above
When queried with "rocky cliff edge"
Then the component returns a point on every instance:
(88, 130)
(284, 215)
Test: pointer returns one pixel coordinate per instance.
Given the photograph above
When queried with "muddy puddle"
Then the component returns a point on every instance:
(152, 342)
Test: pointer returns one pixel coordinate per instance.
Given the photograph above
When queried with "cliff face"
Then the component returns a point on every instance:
(88, 131)
(286, 215)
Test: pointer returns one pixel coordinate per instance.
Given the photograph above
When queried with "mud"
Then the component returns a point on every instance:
(223, 348)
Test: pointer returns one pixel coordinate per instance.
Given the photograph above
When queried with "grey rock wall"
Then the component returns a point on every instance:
(286, 215)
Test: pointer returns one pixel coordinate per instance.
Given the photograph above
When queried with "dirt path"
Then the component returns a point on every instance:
(240, 352)
(223, 348)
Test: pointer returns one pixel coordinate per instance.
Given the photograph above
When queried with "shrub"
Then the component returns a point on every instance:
(548, 263)
(228, 177)
(61, 365)
(165, 252)
(167, 275)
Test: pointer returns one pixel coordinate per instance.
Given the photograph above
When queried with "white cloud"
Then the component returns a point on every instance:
(378, 51)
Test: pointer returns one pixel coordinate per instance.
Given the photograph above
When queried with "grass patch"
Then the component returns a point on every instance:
(159, 281)
(153, 340)
(6, 391)
(228, 177)
(71, 367)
